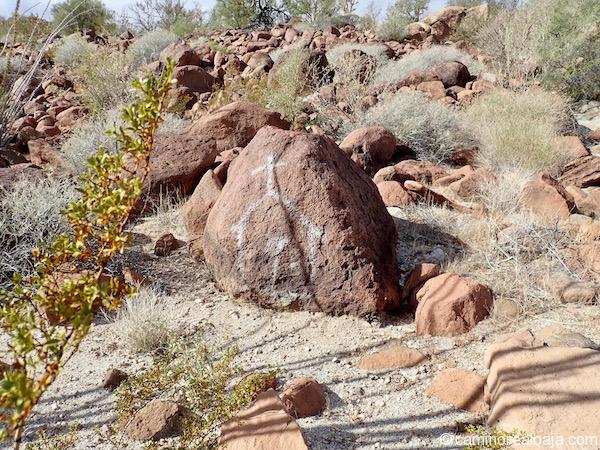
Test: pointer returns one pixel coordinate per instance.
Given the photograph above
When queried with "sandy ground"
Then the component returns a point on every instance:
(386, 409)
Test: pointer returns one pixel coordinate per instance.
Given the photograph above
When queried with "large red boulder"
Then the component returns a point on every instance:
(179, 159)
(547, 198)
(300, 226)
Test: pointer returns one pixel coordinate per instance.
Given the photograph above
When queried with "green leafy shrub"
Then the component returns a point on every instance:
(45, 316)
(433, 130)
(147, 47)
(423, 60)
(518, 129)
(30, 216)
(201, 382)
(80, 14)
(103, 80)
(72, 50)
(393, 26)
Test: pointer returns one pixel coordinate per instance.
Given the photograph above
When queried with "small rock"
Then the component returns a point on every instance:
(157, 420)
(165, 245)
(113, 379)
(393, 356)
(460, 388)
(304, 397)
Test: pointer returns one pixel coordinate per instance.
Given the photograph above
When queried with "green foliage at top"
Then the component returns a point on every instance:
(393, 26)
(201, 382)
(411, 9)
(172, 15)
(233, 13)
(311, 10)
(555, 41)
(569, 52)
(45, 316)
(80, 14)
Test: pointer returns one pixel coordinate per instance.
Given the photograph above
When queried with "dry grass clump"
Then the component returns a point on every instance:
(142, 322)
(518, 129)
(72, 50)
(103, 79)
(147, 47)
(514, 262)
(423, 60)
(433, 130)
(289, 83)
(30, 215)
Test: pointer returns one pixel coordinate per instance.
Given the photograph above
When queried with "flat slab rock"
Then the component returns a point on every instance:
(392, 356)
(298, 225)
(460, 388)
(544, 391)
(264, 425)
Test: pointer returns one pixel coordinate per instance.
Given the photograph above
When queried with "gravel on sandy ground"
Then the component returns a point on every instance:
(384, 409)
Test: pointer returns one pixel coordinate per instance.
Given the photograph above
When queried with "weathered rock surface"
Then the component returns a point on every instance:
(304, 397)
(460, 388)
(394, 355)
(264, 425)
(300, 226)
(449, 305)
(370, 147)
(547, 198)
(544, 391)
(582, 172)
(157, 420)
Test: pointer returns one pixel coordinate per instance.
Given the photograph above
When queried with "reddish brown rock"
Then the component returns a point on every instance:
(546, 392)
(547, 198)
(392, 356)
(452, 73)
(113, 379)
(41, 153)
(582, 172)
(165, 245)
(304, 397)
(419, 275)
(195, 211)
(450, 305)
(180, 159)
(571, 147)
(422, 171)
(11, 175)
(471, 183)
(433, 89)
(300, 226)
(393, 194)
(370, 147)
(181, 54)
(157, 420)
(194, 78)
(69, 117)
(460, 388)
(264, 425)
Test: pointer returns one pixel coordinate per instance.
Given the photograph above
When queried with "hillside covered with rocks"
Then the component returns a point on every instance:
(354, 234)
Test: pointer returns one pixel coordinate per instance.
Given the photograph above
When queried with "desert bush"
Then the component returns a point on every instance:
(46, 315)
(423, 60)
(72, 50)
(569, 53)
(83, 142)
(171, 15)
(518, 129)
(376, 51)
(311, 11)
(393, 26)
(284, 94)
(141, 323)
(510, 39)
(82, 14)
(431, 129)
(203, 383)
(147, 47)
(103, 79)
(30, 216)
(556, 41)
